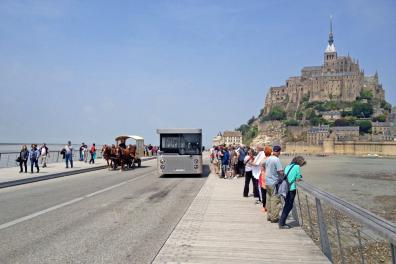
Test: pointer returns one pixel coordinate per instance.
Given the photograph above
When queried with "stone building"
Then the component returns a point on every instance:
(338, 78)
(316, 135)
(383, 131)
(331, 115)
(217, 140)
(232, 137)
(228, 138)
(342, 133)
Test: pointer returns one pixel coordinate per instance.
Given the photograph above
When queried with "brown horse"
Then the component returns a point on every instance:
(106, 153)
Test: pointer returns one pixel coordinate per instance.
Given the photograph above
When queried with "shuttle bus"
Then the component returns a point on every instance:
(180, 151)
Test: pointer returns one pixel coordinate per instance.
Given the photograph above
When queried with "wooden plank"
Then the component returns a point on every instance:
(221, 226)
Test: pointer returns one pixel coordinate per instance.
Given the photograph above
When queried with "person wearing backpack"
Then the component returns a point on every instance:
(293, 174)
(34, 155)
(273, 172)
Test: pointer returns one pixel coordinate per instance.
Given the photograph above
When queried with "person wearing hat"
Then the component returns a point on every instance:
(274, 171)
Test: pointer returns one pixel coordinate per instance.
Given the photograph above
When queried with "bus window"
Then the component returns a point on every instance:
(190, 144)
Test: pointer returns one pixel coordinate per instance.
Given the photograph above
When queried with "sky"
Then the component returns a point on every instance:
(91, 70)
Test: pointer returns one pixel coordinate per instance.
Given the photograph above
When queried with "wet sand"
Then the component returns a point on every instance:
(364, 181)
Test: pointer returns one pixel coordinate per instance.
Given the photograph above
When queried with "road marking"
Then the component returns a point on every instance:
(28, 217)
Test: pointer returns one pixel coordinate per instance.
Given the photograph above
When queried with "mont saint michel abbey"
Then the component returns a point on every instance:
(339, 78)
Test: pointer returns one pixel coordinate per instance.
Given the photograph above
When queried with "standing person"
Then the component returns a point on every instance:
(225, 160)
(249, 158)
(81, 151)
(86, 153)
(93, 154)
(256, 169)
(263, 188)
(44, 153)
(241, 157)
(293, 174)
(274, 171)
(69, 154)
(34, 155)
(23, 158)
(233, 163)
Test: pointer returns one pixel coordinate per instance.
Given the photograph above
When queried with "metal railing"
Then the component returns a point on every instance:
(346, 233)
(8, 159)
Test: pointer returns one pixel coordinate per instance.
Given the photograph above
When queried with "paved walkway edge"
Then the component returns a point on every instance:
(55, 175)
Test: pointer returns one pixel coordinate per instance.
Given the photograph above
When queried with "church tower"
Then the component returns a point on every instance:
(330, 52)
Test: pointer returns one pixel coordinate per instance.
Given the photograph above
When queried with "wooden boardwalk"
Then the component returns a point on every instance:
(221, 226)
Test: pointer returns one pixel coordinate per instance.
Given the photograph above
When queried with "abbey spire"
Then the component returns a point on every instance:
(330, 52)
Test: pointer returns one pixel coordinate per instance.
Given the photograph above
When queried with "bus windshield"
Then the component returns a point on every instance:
(183, 144)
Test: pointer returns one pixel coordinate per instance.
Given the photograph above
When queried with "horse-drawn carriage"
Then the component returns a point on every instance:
(122, 154)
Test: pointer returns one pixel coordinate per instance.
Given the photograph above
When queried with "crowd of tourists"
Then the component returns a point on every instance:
(150, 150)
(261, 166)
(40, 155)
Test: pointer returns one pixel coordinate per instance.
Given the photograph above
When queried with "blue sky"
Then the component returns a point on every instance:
(91, 70)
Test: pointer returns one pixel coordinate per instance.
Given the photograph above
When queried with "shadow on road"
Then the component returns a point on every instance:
(205, 174)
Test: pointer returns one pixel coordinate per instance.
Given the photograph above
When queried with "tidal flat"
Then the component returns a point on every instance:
(369, 182)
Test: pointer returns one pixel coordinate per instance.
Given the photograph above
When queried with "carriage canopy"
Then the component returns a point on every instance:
(139, 143)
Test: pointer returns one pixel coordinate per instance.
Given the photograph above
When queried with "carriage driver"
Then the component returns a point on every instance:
(122, 144)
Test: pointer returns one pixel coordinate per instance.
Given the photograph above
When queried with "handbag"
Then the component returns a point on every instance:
(19, 159)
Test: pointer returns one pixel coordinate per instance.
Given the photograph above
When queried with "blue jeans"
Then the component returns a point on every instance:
(34, 162)
(69, 157)
(289, 201)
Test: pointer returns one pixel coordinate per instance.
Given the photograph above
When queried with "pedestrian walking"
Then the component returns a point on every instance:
(93, 154)
(273, 172)
(44, 153)
(69, 154)
(293, 175)
(23, 158)
(34, 155)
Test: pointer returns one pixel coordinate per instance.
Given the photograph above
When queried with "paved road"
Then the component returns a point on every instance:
(96, 217)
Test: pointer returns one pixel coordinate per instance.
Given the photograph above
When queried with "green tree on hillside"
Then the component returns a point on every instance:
(364, 126)
(362, 109)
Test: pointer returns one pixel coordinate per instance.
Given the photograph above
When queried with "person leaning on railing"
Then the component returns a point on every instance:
(293, 174)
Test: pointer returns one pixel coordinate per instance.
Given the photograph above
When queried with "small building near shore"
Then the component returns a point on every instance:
(342, 133)
(228, 138)
(232, 137)
(383, 131)
(317, 134)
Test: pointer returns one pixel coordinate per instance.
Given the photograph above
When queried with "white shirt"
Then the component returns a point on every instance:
(257, 163)
(43, 151)
(68, 149)
(248, 167)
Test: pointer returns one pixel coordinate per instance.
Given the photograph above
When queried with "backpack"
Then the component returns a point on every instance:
(283, 186)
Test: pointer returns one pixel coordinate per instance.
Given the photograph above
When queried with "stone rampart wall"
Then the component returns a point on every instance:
(344, 147)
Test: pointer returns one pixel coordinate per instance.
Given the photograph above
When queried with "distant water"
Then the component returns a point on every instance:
(5, 147)
(367, 182)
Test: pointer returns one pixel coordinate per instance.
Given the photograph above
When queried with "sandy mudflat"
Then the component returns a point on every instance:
(367, 182)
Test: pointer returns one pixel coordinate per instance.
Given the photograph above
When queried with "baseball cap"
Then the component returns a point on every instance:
(276, 149)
